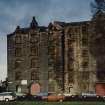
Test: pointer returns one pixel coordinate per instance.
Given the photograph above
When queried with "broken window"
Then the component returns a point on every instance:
(51, 74)
(18, 40)
(34, 38)
(70, 65)
(34, 75)
(18, 52)
(85, 53)
(17, 64)
(84, 29)
(101, 75)
(18, 75)
(70, 43)
(84, 42)
(34, 51)
(51, 87)
(51, 50)
(85, 64)
(70, 52)
(71, 76)
(34, 63)
(85, 75)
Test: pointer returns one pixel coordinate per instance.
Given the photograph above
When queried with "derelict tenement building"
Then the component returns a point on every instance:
(54, 58)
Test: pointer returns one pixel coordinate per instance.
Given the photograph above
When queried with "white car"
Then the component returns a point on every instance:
(7, 96)
(90, 94)
(68, 94)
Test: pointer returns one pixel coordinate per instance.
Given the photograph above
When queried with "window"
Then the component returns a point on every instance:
(70, 43)
(18, 75)
(32, 44)
(70, 49)
(51, 61)
(34, 63)
(17, 64)
(70, 52)
(10, 43)
(84, 29)
(51, 74)
(51, 87)
(85, 53)
(85, 64)
(18, 39)
(18, 52)
(34, 51)
(70, 59)
(70, 35)
(85, 75)
(34, 75)
(71, 76)
(51, 38)
(70, 66)
(34, 38)
(101, 75)
(51, 50)
(84, 36)
(84, 42)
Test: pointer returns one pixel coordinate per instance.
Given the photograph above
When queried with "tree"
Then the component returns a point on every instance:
(97, 5)
(97, 37)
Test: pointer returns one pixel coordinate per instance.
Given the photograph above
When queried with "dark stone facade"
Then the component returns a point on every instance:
(57, 57)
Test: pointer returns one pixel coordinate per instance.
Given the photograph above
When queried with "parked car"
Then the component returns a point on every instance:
(7, 96)
(20, 96)
(41, 94)
(67, 94)
(53, 97)
(29, 97)
(90, 94)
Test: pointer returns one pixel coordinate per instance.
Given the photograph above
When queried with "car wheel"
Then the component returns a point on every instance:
(97, 96)
(72, 96)
(104, 98)
(6, 99)
(84, 96)
(61, 100)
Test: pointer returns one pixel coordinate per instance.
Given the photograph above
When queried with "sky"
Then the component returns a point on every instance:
(20, 12)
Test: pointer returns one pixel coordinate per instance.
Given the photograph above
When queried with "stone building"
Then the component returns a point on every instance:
(55, 58)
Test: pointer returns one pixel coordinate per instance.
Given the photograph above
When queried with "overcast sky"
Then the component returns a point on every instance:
(20, 12)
